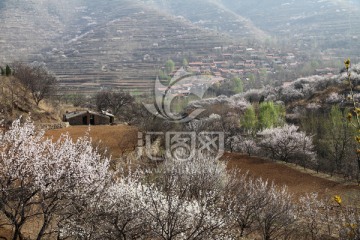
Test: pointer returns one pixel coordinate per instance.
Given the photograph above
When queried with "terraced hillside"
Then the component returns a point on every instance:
(127, 48)
(92, 46)
(212, 15)
(23, 30)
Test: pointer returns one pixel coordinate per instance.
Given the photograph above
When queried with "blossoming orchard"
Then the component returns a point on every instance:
(64, 189)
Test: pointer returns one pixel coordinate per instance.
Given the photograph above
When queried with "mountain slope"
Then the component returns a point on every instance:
(311, 25)
(323, 24)
(212, 15)
(121, 42)
(127, 47)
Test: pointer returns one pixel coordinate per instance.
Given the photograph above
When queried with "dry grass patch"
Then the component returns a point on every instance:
(117, 139)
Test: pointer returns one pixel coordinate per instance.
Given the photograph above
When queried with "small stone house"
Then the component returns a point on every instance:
(88, 118)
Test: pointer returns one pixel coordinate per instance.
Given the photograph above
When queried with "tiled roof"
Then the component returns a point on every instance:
(79, 113)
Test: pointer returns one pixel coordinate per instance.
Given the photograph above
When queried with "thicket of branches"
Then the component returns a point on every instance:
(114, 101)
(37, 79)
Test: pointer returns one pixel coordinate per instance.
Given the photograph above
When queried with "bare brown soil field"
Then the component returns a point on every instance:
(299, 181)
(117, 139)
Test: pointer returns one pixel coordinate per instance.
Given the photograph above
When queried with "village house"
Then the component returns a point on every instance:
(88, 118)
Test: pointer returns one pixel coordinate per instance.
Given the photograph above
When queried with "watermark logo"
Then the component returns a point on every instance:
(183, 83)
(182, 146)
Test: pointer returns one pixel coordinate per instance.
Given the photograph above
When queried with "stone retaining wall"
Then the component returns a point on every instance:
(51, 126)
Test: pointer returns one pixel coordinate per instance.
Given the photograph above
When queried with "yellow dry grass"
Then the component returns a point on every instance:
(117, 139)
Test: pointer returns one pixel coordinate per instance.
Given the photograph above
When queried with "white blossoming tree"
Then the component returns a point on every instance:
(44, 181)
(179, 200)
(258, 207)
(275, 220)
(287, 143)
(190, 199)
(244, 145)
(312, 208)
(118, 214)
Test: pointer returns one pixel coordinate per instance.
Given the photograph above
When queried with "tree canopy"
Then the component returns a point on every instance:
(37, 79)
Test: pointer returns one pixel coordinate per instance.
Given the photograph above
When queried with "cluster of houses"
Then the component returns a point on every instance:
(242, 61)
(226, 62)
(186, 84)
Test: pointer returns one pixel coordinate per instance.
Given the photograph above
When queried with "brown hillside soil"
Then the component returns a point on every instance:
(117, 139)
(299, 182)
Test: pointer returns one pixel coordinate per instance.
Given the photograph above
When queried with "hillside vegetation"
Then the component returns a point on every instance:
(16, 101)
(227, 199)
